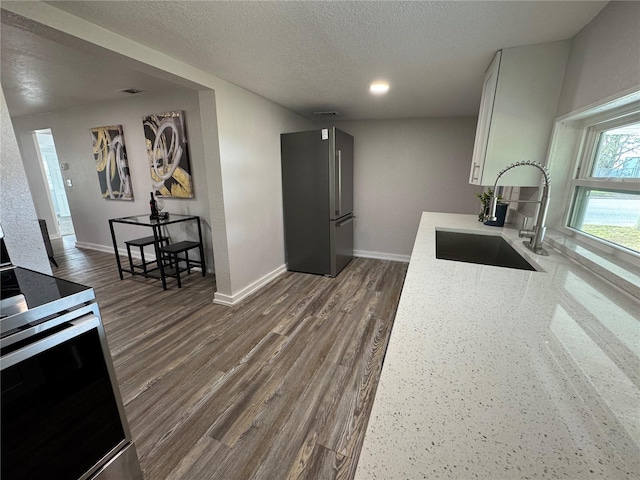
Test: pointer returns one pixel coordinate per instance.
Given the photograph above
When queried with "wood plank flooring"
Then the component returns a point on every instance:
(278, 387)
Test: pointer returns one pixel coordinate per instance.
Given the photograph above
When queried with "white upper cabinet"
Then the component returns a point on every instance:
(517, 110)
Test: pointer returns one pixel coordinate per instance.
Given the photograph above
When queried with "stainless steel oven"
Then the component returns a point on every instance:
(62, 416)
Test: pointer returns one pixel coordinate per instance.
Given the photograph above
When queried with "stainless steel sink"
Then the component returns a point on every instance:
(482, 249)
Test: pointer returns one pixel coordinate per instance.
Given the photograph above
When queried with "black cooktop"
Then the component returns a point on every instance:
(36, 295)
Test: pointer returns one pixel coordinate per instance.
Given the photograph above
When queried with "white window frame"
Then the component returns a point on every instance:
(591, 128)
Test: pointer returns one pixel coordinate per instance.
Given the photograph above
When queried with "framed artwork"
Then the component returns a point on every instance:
(111, 162)
(168, 156)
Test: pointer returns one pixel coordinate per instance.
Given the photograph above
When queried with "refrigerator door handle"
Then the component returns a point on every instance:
(339, 183)
(346, 221)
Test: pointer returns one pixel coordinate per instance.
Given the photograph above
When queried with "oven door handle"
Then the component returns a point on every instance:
(77, 327)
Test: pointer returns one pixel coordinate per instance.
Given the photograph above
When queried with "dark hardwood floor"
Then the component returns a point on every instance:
(278, 387)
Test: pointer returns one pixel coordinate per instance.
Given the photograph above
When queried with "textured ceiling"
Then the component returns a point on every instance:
(314, 55)
(40, 75)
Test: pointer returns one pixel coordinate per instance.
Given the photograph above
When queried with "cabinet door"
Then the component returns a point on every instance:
(526, 100)
(484, 120)
(519, 101)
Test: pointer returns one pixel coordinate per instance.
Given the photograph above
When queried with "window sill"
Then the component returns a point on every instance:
(621, 273)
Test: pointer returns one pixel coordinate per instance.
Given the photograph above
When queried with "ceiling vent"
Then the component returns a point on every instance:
(330, 113)
(131, 91)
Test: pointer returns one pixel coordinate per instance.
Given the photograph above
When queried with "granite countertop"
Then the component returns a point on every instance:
(498, 373)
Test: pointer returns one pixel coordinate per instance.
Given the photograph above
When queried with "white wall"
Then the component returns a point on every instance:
(603, 63)
(249, 129)
(242, 153)
(91, 212)
(604, 58)
(405, 167)
(17, 213)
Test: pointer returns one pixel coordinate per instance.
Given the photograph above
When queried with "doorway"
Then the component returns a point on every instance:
(54, 181)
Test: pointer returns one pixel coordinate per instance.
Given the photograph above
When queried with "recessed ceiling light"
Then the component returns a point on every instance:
(378, 88)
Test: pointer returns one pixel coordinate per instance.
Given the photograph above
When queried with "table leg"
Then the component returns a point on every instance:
(203, 264)
(131, 259)
(115, 249)
(156, 244)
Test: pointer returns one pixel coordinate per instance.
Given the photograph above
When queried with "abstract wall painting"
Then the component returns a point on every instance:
(168, 156)
(111, 162)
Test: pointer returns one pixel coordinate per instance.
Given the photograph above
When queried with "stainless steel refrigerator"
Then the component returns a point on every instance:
(317, 190)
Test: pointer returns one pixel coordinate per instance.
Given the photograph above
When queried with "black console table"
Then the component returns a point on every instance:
(156, 225)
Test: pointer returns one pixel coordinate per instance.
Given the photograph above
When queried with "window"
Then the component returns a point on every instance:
(606, 188)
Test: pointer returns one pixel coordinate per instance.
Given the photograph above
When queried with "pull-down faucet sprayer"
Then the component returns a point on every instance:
(536, 234)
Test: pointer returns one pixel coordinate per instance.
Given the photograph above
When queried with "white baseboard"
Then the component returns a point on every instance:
(105, 249)
(382, 256)
(135, 252)
(231, 300)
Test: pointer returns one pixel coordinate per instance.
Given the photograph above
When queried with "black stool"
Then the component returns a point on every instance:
(170, 253)
(143, 242)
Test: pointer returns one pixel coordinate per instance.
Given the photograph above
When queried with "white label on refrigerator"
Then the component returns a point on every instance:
(325, 134)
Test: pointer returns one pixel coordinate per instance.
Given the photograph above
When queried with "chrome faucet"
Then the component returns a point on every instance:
(536, 234)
